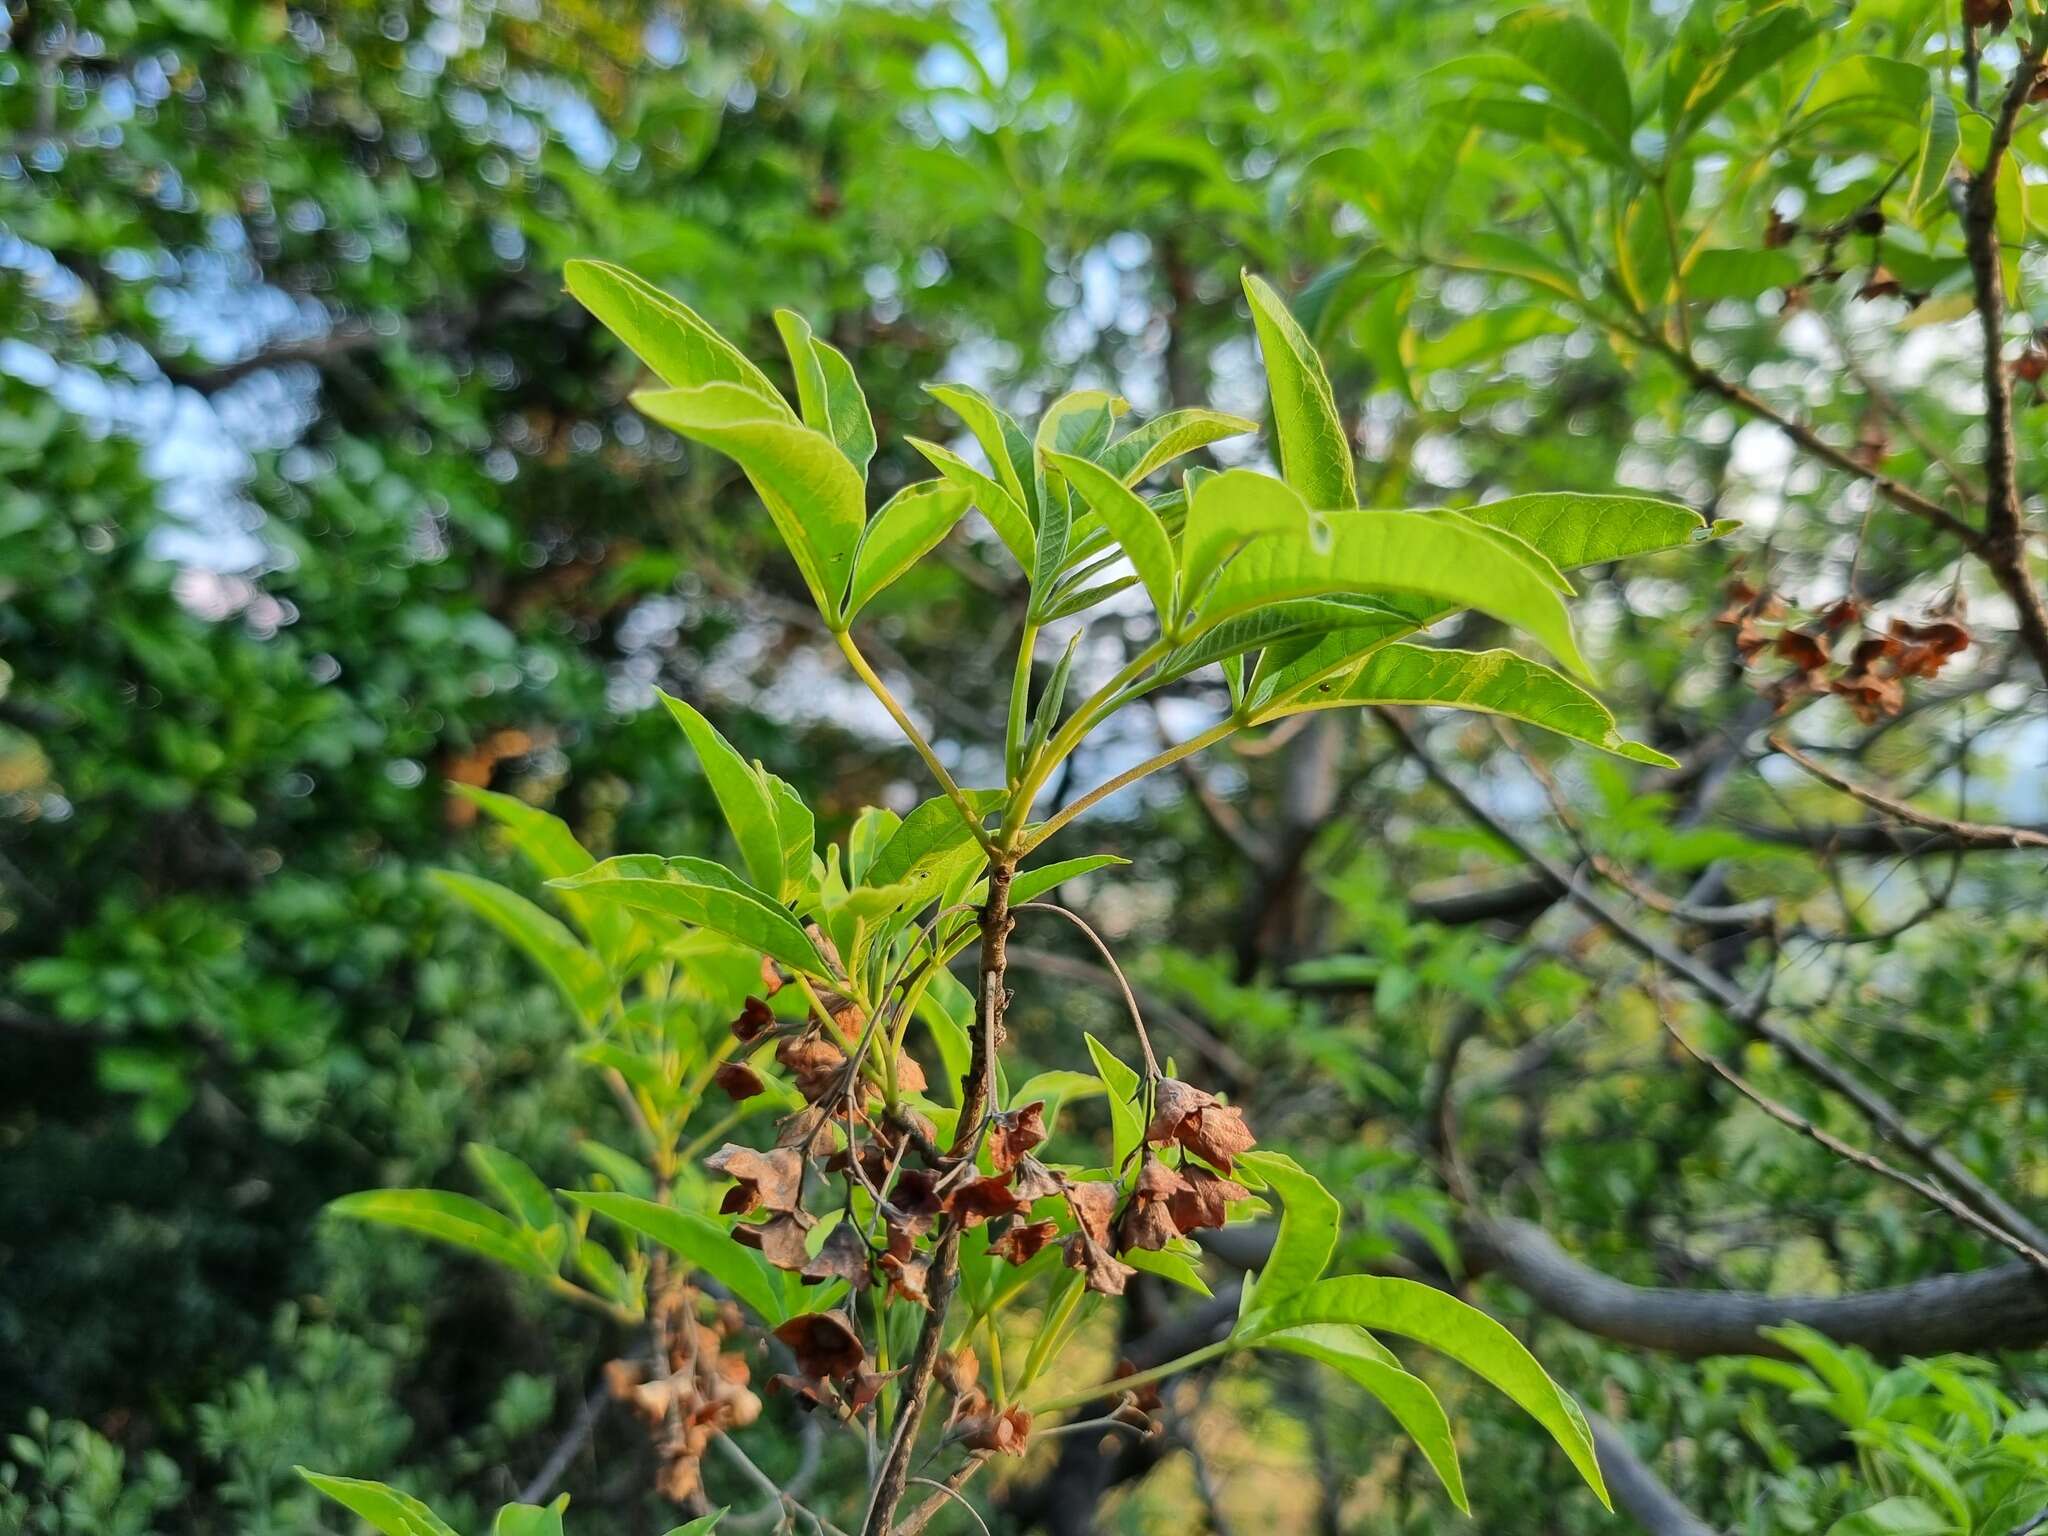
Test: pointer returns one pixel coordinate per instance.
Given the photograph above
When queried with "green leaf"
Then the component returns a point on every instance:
(707, 895)
(530, 1519)
(448, 1218)
(1308, 1229)
(667, 335)
(1938, 145)
(544, 938)
(703, 1525)
(748, 808)
(551, 848)
(1449, 1326)
(1004, 512)
(933, 841)
(698, 1239)
(798, 831)
(1904, 1515)
(1701, 77)
(812, 493)
(907, 529)
(1146, 449)
(827, 392)
(1047, 714)
(1315, 451)
(1512, 257)
(1121, 1084)
(1030, 884)
(1372, 553)
(1740, 274)
(1407, 1397)
(386, 1509)
(514, 1185)
(1002, 440)
(1135, 526)
(1572, 528)
(1168, 1265)
(1495, 682)
(1577, 61)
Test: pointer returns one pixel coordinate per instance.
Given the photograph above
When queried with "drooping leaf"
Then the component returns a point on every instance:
(448, 1218)
(544, 938)
(1938, 145)
(907, 529)
(702, 1242)
(1497, 682)
(812, 493)
(667, 335)
(1168, 1265)
(707, 895)
(1450, 1327)
(1407, 1397)
(1315, 451)
(1134, 525)
(384, 1507)
(514, 1184)
(1308, 1229)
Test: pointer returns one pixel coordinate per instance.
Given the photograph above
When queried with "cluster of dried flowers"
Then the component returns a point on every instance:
(703, 1390)
(846, 1139)
(1871, 681)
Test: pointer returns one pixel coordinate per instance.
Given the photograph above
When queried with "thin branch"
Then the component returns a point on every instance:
(2005, 532)
(1868, 1161)
(1108, 959)
(1957, 834)
(1750, 1012)
(573, 1440)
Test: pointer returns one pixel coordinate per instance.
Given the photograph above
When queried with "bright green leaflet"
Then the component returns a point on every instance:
(667, 335)
(1308, 1229)
(707, 1245)
(748, 807)
(814, 495)
(385, 1508)
(1487, 682)
(1407, 1397)
(514, 1184)
(707, 895)
(907, 529)
(1450, 1327)
(1315, 451)
(1135, 526)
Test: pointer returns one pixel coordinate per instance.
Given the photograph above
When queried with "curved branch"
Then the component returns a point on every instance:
(2001, 1308)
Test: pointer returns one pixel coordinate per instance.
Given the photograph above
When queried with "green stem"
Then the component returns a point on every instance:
(1104, 701)
(1174, 1367)
(1130, 776)
(1020, 702)
(912, 734)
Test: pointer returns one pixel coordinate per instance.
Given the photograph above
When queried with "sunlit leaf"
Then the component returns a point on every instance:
(744, 800)
(1490, 682)
(1308, 1229)
(1451, 1327)
(702, 1242)
(1315, 451)
(828, 394)
(812, 493)
(449, 1218)
(698, 892)
(667, 335)
(384, 1507)
(907, 529)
